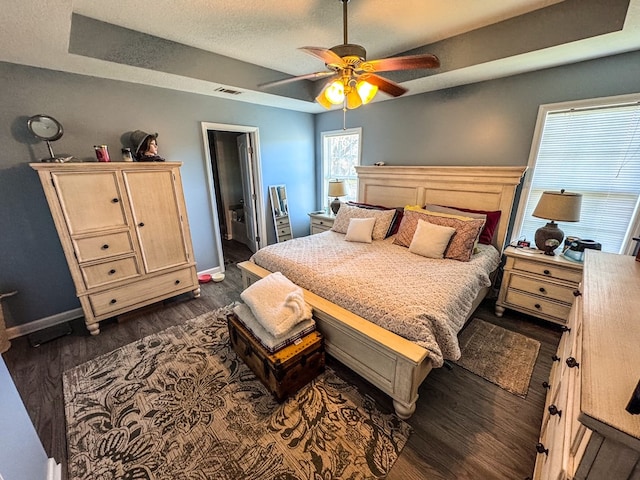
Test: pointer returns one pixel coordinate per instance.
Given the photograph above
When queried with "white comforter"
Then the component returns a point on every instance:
(421, 299)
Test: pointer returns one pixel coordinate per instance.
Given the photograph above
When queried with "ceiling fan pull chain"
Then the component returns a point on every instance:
(344, 115)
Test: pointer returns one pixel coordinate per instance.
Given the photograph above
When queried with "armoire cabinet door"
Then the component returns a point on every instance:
(89, 201)
(157, 217)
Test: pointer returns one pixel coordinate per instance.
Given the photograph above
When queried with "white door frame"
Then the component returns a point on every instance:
(257, 180)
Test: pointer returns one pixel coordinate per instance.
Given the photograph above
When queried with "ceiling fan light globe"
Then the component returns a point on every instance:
(335, 92)
(366, 91)
(353, 99)
(322, 100)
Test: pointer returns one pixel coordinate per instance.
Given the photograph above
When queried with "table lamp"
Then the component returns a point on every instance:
(337, 188)
(561, 206)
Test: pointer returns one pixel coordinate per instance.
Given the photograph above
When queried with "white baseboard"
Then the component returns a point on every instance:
(58, 318)
(54, 470)
(36, 325)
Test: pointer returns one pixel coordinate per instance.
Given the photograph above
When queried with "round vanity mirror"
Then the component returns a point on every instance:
(45, 128)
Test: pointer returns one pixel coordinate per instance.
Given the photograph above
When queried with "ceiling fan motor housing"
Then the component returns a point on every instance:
(350, 50)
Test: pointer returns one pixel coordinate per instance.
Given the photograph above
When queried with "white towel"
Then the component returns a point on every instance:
(268, 341)
(277, 303)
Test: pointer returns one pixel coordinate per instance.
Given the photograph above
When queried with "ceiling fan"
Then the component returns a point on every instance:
(352, 78)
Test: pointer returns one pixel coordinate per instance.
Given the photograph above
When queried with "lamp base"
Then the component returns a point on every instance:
(335, 205)
(549, 237)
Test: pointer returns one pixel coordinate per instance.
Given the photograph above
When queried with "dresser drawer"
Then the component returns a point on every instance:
(122, 297)
(283, 232)
(322, 223)
(102, 246)
(574, 276)
(538, 305)
(541, 288)
(282, 221)
(109, 272)
(284, 238)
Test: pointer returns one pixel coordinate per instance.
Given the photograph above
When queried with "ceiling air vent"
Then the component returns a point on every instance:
(228, 91)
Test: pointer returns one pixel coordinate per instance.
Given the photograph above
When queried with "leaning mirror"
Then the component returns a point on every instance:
(280, 210)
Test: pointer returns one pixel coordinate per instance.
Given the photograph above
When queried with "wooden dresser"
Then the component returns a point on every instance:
(124, 231)
(586, 432)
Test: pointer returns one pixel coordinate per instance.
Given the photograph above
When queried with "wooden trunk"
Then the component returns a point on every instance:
(285, 371)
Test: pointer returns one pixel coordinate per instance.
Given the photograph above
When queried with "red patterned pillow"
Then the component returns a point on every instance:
(490, 226)
(462, 242)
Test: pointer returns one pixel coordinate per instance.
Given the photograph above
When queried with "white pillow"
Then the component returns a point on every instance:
(347, 212)
(431, 240)
(360, 230)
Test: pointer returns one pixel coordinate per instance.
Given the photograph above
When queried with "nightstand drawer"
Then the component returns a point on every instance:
(321, 222)
(547, 270)
(537, 305)
(541, 288)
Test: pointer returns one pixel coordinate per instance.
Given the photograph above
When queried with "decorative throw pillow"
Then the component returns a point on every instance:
(490, 225)
(395, 223)
(461, 244)
(431, 240)
(360, 229)
(347, 212)
(454, 213)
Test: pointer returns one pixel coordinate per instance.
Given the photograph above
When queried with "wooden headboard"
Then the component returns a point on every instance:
(479, 188)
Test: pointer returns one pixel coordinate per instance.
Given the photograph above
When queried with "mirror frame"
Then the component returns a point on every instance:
(280, 212)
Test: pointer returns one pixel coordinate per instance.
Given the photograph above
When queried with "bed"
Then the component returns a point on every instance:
(394, 358)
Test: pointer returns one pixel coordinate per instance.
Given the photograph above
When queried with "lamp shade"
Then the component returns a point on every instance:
(337, 188)
(559, 206)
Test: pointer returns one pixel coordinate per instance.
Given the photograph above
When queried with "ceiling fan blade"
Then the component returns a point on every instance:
(308, 76)
(326, 55)
(408, 62)
(387, 86)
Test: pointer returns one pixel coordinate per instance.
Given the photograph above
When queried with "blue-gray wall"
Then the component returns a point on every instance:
(99, 111)
(488, 123)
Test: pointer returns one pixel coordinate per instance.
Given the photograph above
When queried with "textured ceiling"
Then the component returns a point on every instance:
(475, 40)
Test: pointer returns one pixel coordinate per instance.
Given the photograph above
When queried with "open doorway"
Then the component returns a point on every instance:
(232, 161)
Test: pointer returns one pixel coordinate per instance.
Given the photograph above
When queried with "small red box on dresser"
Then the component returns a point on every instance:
(283, 372)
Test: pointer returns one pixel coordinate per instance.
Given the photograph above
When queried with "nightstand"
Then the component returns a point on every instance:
(539, 285)
(321, 221)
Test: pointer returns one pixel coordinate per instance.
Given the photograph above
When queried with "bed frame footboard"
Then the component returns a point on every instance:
(391, 363)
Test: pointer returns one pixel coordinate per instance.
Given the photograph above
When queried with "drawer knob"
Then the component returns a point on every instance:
(572, 363)
(321, 222)
(553, 410)
(577, 293)
(105, 246)
(113, 300)
(141, 224)
(546, 385)
(177, 282)
(564, 328)
(555, 358)
(115, 200)
(546, 272)
(542, 290)
(538, 306)
(112, 271)
(540, 448)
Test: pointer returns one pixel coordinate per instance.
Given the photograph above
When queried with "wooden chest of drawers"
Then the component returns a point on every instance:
(538, 284)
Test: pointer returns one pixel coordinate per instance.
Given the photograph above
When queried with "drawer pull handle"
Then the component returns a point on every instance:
(115, 200)
(540, 449)
(113, 300)
(577, 293)
(564, 328)
(546, 272)
(572, 363)
(112, 271)
(553, 410)
(555, 358)
(141, 224)
(546, 385)
(321, 222)
(542, 290)
(538, 306)
(177, 282)
(105, 246)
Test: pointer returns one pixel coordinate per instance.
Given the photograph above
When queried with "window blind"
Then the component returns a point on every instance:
(596, 152)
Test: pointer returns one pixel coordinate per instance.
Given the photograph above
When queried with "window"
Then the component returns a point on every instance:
(340, 155)
(593, 148)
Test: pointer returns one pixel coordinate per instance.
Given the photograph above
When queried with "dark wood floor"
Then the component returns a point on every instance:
(464, 427)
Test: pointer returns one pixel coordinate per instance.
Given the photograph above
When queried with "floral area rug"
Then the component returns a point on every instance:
(181, 405)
